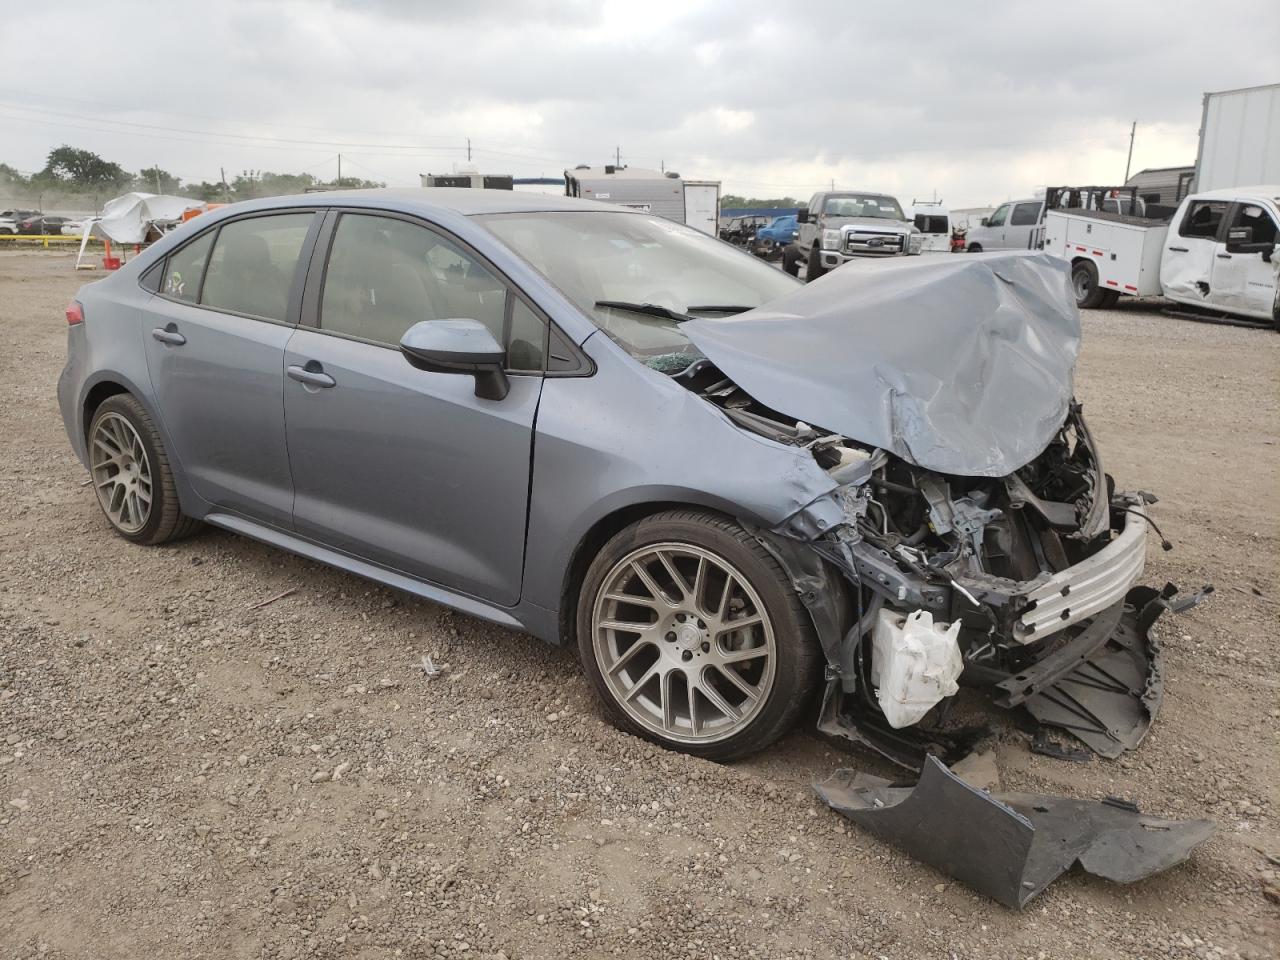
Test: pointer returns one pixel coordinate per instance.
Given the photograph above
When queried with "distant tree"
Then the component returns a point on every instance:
(12, 176)
(206, 191)
(354, 183)
(157, 180)
(82, 168)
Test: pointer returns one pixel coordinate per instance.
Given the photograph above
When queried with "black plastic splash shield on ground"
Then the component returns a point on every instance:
(1010, 846)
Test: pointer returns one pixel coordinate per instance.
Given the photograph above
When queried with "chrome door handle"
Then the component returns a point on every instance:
(165, 335)
(314, 378)
(1224, 256)
(1179, 250)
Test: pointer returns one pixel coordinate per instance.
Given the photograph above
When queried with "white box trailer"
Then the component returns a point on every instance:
(1239, 138)
(664, 193)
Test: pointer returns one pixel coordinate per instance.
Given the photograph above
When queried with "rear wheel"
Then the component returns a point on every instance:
(975, 248)
(814, 268)
(1084, 283)
(693, 637)
(131, 474)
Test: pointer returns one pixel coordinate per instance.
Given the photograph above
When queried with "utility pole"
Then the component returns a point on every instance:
(157, 173)
(617, 156)
(833, 184)
(226, 191)
(468, 149)
(339, 169)
(1132, 130)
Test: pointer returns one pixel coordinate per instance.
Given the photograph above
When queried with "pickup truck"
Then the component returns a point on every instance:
(1219, 251)
(841, 226)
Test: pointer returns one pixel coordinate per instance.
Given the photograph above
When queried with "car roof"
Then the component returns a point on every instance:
(431, 200)
(1269, 191)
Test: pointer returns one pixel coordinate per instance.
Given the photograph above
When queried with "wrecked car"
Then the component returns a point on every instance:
(731, 491)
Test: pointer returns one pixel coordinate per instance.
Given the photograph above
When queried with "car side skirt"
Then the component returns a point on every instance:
(391, 578)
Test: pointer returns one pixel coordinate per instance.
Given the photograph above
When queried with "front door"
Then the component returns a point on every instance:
(215, 335)
(395, 465)
(1186, 268)
(1245, 283)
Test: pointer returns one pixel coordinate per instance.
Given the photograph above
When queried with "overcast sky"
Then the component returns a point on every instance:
(979, 102)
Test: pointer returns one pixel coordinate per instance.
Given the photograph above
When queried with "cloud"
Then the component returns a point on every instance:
(978, 102)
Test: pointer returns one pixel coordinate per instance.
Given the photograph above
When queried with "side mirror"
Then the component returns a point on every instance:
(1240, 240)
(802, 216)
(458, 346)
(985, 221)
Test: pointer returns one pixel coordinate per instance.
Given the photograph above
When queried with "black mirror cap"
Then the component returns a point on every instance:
(802, 216)
(449, 353)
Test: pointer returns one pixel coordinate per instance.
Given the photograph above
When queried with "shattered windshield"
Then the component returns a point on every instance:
(638, 277)
(863, 205)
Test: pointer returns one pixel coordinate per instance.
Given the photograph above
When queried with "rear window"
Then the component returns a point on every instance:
(253, 264)
(185, 269)
(1203, 219)
(926, 224)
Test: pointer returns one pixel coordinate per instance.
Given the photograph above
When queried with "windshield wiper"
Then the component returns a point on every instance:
(652, 309)
(719, 308)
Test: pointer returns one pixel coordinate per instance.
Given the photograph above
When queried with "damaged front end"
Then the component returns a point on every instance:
(920, 581)
(972, 537)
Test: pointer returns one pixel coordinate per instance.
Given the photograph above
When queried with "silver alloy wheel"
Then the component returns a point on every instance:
(121, 473)
(683, 642)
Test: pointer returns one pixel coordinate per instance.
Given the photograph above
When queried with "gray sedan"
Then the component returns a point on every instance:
(729, 490)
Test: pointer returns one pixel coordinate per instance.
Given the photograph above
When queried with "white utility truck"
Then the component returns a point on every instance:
(1218, 252)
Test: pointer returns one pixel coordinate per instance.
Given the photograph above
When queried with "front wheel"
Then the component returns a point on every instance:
(693, 637)
(791, 259)
(814, 268)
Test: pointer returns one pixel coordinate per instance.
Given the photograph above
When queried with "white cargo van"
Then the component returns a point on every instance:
(1009, 227)
(934, 223)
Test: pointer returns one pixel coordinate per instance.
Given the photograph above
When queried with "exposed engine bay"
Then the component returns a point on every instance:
(1025, 584)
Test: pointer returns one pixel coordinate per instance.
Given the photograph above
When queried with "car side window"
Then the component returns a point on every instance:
(1202, 219)
(385, 274)
(184, 269)
(1024, 214)
(253, 263)
(997, 218)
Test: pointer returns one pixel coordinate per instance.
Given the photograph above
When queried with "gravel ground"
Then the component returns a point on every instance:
(185, 774)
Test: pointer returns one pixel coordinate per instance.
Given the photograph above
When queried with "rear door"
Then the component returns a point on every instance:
(215, 334)
(398, 466)
(1186, 268)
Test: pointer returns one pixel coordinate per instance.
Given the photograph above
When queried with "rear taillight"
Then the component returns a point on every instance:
(75, 312)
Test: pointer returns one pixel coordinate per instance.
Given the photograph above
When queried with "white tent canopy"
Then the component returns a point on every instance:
(128, 219)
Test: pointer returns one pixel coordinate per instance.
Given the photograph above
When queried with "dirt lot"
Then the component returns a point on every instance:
(185, 775)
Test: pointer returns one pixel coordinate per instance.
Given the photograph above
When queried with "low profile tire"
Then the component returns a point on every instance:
(131, 474)
(1084, 283)
(791, 259)
(814, 269)
(693, 637)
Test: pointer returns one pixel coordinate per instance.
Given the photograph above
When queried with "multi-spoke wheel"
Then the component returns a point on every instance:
(693, 637)
(121, 473)
(131, 474)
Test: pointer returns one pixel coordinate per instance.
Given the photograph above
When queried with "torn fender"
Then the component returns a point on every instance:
(1011, 846)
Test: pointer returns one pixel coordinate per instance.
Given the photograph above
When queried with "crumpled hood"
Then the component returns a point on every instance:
(959, 363)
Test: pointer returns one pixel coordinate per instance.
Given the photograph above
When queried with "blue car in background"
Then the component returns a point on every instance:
(772, 238)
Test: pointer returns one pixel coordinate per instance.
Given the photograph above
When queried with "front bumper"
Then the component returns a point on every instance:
(1089, 587)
